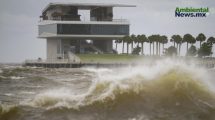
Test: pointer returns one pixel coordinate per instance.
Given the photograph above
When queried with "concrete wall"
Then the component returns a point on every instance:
(109, 46)
(53, 48)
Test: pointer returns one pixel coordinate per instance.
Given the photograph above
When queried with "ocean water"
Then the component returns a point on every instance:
(164, 90)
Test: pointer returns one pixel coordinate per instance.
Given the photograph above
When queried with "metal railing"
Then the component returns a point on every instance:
(49, 61)
(113, 20)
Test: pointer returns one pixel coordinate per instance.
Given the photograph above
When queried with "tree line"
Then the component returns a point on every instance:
(157, 43)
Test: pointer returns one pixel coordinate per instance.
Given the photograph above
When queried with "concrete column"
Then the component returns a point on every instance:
(109, 46)
(65, 45)
(54, 48)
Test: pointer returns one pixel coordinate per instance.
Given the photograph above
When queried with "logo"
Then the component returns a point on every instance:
(191, 12)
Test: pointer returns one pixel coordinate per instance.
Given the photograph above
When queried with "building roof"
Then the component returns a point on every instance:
(84, 5)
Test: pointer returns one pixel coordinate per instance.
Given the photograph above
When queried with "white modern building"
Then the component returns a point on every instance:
(66, 33)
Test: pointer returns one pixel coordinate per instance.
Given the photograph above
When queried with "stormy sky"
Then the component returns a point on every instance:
(19, 19)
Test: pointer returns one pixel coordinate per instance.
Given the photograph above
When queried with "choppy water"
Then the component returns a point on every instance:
(166, 90)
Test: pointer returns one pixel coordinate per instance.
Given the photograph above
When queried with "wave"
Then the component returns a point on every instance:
(8, 112)
(167, 87)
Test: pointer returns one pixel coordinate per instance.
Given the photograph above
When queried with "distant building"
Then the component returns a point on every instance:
(66, 33)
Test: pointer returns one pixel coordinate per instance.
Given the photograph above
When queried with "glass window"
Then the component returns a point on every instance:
(92, 29)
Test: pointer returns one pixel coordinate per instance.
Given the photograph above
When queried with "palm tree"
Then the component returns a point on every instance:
(151, 41)
(173, 39)
(138, 40)
(157, 39)
(164, 40)
(211, 40)
(186, 38)
(159, 44)
(143, 39)
(128, 40)
(150, 46)
(153, 45)
(117, 41)
(201, 38)
(192, 40)
(189, 39)
(133, 39)
(123, 43)
(178, 40)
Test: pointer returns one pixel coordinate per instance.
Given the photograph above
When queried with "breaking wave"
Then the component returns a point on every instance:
(169, 85)
(8, 112)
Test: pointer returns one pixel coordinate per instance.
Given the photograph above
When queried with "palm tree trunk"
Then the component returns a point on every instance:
(142, 48)
(116, 46)
(153, 46)
(187, 46)
(132, 46)
(122, 46)
(150, 49)
(127, 48)
(179, 49)
(212, 50)
(163, 47)
(156, 48)
(159, 49)
(200, 44)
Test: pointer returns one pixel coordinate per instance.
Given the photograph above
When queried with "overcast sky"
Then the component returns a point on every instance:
(19, 19)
